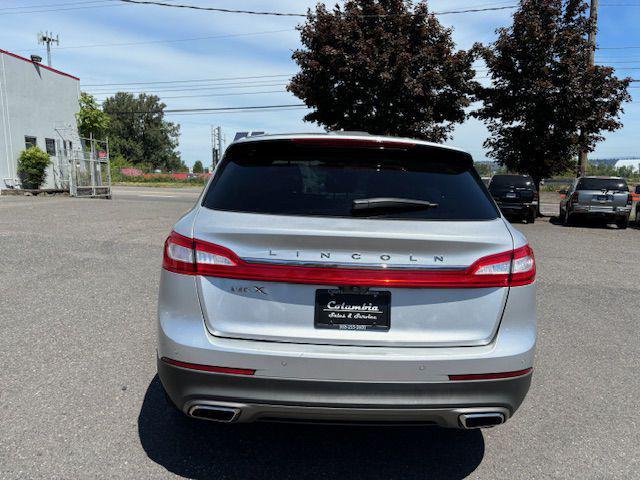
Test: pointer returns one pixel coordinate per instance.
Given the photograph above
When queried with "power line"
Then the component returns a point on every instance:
(177, 40)
(162, 97)
(619, 59)
(632, 62)
(476, 10)
(233, 112)
(22, 12)
(220, 79)
(192, 88)
(289, 14)
(211, 9)
(200, 88)
(626, 47)
(206, 109)
(22, 7)
(223, 94)
(196, 86)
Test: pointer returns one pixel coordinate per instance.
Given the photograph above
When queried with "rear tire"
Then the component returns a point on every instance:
(623, 223)
(532, 217)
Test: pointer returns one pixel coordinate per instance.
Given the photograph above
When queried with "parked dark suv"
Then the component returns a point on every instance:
(516, 196)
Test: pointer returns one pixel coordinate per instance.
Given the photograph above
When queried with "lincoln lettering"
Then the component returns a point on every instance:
(355, 256)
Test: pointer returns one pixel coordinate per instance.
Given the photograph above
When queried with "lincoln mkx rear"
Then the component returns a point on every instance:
(346, 278)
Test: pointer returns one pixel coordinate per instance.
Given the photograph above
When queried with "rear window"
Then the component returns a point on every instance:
(602, 184)
(293, 178)
(519, 181)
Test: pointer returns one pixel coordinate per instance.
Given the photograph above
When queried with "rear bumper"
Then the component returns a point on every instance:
(257, 398)
(598, 211)
(309, 381)
(516, 207)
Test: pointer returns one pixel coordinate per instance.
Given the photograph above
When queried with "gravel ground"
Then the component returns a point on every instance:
(79, 397)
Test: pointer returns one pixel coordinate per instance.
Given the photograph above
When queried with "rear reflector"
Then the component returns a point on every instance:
(511, 268)
(208, 368)
(490, 376)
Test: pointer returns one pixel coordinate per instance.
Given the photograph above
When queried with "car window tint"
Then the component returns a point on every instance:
(289, 178)
(602, 184)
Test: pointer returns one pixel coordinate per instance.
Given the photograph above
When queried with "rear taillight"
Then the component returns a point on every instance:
(178, 254)
(574, 197)
(513, 269)
(196, 257)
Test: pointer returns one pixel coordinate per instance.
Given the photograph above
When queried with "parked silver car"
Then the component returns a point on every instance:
(346, 278)
(600, 197)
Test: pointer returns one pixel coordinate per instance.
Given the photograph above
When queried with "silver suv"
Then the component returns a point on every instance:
(607, 198)
(346, 278)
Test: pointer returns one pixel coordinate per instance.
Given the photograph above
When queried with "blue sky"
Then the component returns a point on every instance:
(242, 49)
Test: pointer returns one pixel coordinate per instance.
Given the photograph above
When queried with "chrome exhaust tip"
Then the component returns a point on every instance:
(481, 420)
(214, 413)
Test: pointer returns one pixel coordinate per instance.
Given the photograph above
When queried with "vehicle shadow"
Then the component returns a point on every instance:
(594, 223)
(199, 449)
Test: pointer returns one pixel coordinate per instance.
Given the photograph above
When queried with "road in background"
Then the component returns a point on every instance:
(180, 194)
(79, 397)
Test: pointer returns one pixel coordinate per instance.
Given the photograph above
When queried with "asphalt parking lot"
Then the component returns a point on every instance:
(79, 397)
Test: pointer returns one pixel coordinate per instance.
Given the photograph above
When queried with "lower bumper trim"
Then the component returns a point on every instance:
(260, 398)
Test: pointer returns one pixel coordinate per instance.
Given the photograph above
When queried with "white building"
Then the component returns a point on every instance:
(38, 106)
(629, 162)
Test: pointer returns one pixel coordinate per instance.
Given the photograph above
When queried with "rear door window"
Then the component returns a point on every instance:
(602, 184)
(518, 181)
(284, 177)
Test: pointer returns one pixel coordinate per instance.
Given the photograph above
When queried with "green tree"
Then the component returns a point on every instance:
(384, 66)
(32, 167)
(197, 167)
(139, 132)
(543, 93)
(91, 119)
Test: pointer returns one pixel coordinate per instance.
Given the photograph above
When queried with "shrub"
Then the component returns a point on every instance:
(117, 163)
(32, 167)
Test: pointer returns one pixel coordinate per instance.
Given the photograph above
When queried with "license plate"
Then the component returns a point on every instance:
(603, 198)
(511, 195)
(353, 311)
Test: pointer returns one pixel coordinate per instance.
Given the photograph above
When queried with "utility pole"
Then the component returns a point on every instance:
(214, 158)
(217, 142)
(593, 17)
(47, 39)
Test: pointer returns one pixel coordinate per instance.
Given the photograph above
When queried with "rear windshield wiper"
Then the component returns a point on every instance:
(390, 203)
